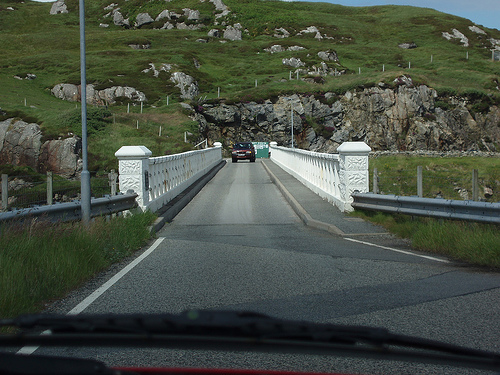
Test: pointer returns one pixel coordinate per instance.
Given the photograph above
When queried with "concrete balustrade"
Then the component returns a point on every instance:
(158, 180)
(332, 176)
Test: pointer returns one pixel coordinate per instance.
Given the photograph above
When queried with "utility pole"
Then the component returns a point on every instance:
(85, 176)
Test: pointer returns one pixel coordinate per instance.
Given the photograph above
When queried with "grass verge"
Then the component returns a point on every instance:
(474, 243)
(42, 261)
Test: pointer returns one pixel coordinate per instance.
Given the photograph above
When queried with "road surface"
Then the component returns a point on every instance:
(238, 245)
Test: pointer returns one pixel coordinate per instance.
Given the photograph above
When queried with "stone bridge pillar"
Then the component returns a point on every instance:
(353, 172)
(133, 165)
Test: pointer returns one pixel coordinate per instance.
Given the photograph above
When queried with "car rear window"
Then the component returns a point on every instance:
(242, 146)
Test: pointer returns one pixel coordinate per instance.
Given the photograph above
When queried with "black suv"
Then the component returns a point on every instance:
(242, 151)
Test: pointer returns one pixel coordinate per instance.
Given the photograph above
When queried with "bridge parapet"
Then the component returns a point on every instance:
(158, 180)
(332, 176)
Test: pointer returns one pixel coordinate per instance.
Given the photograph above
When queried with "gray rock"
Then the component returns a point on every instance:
(72, 93)
(328, 55)
(143, 19)
(232, 33)
(59, 7)
(163, 14)
(407, 45)
(119, 20)
(191, 14)
(187, 85)
(281, 33)
(275, 49)
(293, 62)
(214, 33)
(20, 143)
(61, 157)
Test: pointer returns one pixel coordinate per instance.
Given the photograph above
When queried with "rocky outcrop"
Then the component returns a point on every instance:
(403, 118)
(72, 93)
(61, 157)
(21, 145)
(187, 85)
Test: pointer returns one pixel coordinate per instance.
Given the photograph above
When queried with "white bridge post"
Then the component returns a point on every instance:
(133, 166)
(353, 171)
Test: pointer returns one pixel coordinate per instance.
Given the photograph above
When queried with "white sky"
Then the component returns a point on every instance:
(481, 12)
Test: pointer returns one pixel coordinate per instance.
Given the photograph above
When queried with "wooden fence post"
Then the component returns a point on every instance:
(112, 176)
(475, 185)
(420, 184)
(50, 186)
(5, 192)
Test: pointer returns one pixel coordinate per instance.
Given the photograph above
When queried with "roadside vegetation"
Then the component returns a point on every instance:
(473, 243)
(449, 178)
(41, 262)
(446, 177)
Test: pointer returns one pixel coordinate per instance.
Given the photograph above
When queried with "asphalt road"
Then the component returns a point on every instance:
(238, 245)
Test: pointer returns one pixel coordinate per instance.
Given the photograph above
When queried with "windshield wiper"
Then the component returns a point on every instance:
(246, 331)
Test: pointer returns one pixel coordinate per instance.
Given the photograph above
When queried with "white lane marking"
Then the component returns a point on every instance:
(100, 291)
(397, 250)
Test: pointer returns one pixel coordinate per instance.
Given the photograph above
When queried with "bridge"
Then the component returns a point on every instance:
(158, 180)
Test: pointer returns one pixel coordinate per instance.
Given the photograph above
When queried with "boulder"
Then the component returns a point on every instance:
(275, 49)
(187, 85)
(163, 14)
(232, 33)
(20, 143)
(293, 62)
(214, 33)
(407, 45)
(61, 157)
(328, 55)
(119, 20)
(143, 19)
(193, 15)
(59, 7)
(110, 95)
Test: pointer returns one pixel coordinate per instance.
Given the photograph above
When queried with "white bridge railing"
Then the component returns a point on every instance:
(158, 180)
(332, 176)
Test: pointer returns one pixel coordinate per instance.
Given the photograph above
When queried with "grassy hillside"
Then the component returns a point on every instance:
(365, 39)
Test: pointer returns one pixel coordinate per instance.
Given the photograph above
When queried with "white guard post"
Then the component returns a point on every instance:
(159, 180)
(332, 176)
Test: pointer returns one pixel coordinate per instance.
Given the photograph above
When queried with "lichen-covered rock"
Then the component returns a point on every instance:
(59, 7)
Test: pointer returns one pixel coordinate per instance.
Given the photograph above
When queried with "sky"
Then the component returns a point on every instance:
(481, 12)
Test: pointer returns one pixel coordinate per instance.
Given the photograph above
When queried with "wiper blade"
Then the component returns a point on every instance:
(231, 330)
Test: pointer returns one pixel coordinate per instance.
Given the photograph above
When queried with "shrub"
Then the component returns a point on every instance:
(97, 120)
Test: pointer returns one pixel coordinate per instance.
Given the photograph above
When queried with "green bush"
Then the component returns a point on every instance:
(97, 120)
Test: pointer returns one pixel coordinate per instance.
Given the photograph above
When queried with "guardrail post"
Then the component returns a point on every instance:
(133, 167)
(420, 183)
(375, 181)
(353, 171)
(50, 184)
(5, 192)
(475, 185)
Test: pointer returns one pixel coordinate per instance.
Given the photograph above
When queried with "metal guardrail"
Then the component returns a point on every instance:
(72, 211)
(482, 212)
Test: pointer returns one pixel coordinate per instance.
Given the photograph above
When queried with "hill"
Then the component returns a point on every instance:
(279, 41)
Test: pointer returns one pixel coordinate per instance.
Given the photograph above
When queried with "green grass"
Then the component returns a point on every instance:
(42, 262)
(445, 176)
(363, 37)
(474, 243)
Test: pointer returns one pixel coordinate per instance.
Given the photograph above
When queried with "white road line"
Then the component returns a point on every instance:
(398, 251)
(100, 291)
